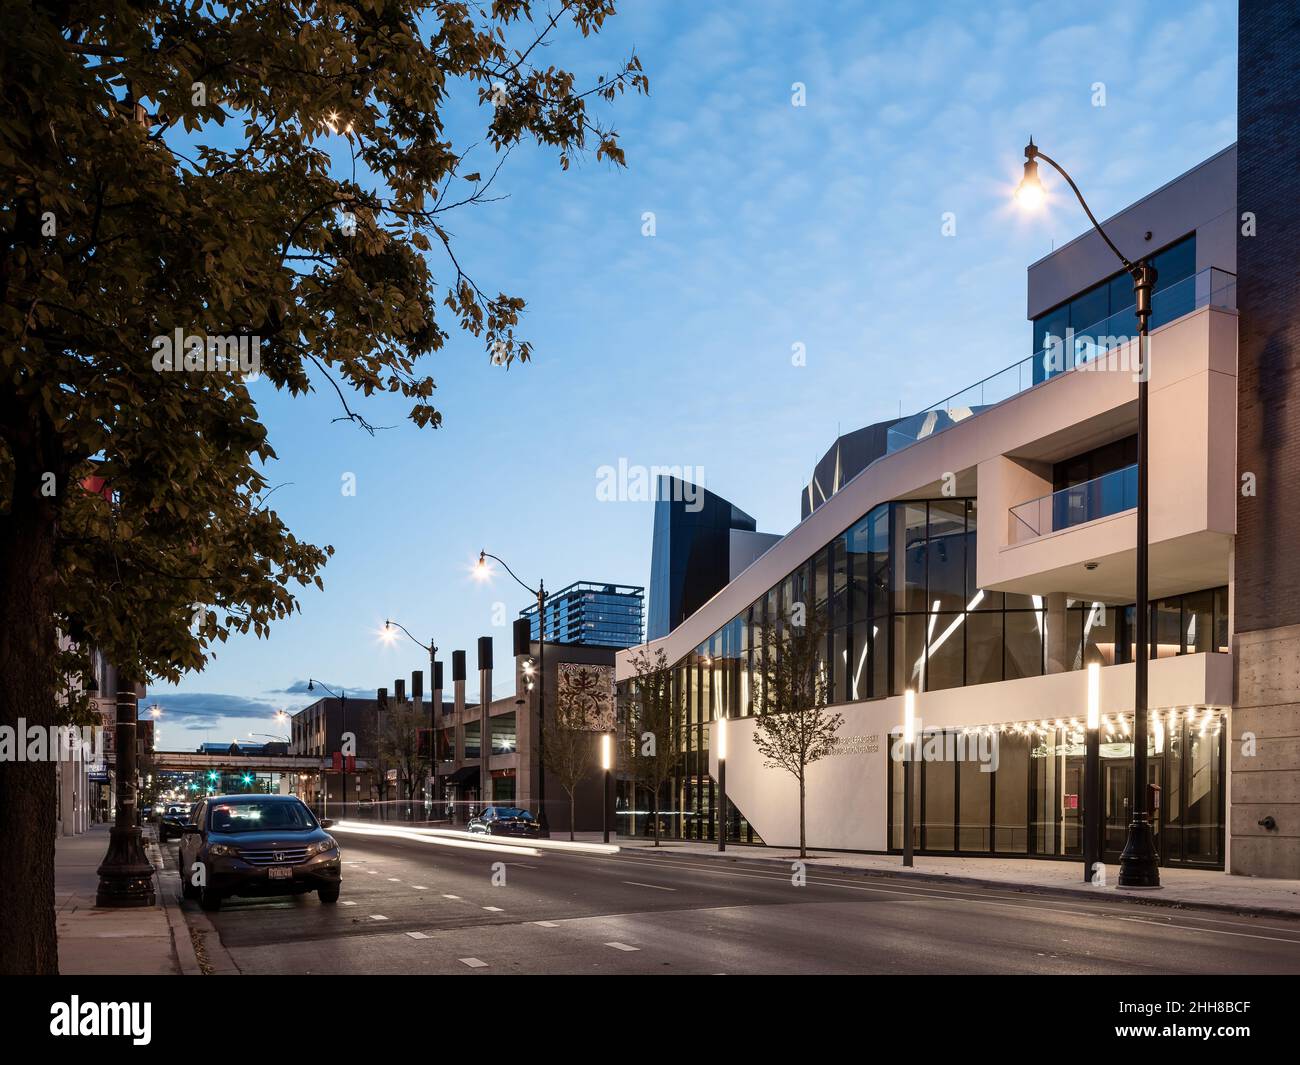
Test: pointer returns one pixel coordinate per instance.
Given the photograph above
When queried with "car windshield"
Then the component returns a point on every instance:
(511, 811)
(261, 817)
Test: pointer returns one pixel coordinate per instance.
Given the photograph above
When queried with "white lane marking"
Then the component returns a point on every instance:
(372, 872)
(419, 887)
(473, 963)
(378, 917)
(393, 880)
(621, 946)
(1207, 931)
(417, 935)
(657, 887)
(546, 924)
(347, 903)
(451, 896)
(493, 909)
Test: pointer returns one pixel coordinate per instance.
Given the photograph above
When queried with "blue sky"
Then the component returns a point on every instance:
(775, 226)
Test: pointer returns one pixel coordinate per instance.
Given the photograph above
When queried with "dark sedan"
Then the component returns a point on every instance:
(172, 820)
(254, 845)
(505, 821)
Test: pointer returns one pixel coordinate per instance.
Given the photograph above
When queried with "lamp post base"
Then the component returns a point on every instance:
(125, 874)
(1139, 864)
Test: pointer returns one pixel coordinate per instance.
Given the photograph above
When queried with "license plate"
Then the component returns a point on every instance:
(280, 872)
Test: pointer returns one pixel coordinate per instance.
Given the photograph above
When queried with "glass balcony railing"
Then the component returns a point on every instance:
(1111, 493)
(1210, 287)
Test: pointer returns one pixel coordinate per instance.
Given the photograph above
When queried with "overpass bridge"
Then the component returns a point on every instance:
(180, 761)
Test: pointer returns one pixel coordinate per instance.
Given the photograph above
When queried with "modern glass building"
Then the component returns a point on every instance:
(982, 562)
(595, 615)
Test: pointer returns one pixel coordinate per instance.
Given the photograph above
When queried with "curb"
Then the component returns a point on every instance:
(185, 925)
(1107, 894)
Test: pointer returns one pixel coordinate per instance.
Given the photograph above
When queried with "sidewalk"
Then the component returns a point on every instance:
(125, 942)
(1193, 888)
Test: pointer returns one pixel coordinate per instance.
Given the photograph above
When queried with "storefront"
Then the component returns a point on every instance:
(1031, 805)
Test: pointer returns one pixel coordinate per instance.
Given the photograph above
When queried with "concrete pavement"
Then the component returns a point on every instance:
(146, 941)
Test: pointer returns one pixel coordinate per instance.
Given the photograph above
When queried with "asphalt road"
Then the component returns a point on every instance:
(411, 907)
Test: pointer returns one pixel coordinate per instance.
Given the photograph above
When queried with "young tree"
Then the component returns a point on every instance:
(651, 717)
(570, 732)
(399, 745)
(276, 175)
(794, 730)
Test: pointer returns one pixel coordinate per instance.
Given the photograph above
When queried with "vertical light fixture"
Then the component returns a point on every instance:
(723, 810)
(1092, 775)
(607, 764)
(909, 740)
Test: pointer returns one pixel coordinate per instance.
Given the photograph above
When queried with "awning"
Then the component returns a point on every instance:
(468, 774)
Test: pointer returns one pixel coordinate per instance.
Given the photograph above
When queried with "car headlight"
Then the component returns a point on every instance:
(325, 845)
(220, 850)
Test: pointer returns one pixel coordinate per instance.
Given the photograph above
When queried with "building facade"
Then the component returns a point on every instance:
(700, 542)
(984, 559)
(592, 614)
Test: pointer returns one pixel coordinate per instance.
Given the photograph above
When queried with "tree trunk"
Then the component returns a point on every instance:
(655, 813)
(803, 833)
(28, 643)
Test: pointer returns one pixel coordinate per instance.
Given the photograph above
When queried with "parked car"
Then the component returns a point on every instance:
(505, 821)
(172, 819)
(255, 845)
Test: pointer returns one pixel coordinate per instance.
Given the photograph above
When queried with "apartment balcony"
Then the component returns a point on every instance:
(1080, 540)
(1068, 508)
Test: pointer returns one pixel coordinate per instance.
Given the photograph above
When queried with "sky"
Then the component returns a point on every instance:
(815, 231)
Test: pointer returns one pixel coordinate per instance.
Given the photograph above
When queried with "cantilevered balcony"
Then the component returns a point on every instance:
(1111, 493)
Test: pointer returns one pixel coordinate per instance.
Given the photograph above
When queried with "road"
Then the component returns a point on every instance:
(409, 907)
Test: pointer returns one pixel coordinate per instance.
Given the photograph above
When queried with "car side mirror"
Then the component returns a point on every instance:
(327, 822)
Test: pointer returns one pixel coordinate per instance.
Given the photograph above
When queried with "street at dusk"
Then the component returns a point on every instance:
(628, 487)
(419, 909)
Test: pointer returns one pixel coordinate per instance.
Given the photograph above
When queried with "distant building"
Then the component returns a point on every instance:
(701, 543)
(592, 615)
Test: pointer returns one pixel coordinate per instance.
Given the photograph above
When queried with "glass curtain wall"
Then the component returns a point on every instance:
(1032, 804)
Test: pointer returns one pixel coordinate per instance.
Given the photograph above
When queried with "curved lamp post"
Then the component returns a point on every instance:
(1139, 865)
(435, 712)
(482, 572)
(343, 716)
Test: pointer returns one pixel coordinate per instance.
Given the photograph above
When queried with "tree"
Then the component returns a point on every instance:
(303, 230)
(570, 731)
(651, 716)
(794, 730)
(398, 745)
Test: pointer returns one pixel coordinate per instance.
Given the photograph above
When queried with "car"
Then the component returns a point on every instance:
(172, 819)
(257, 845)
(505, 821)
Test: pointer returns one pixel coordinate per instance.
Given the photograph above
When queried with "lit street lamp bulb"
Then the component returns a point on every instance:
(1029, 194)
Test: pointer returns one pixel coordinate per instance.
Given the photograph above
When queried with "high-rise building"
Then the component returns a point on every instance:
(701, 541)
(592, 614)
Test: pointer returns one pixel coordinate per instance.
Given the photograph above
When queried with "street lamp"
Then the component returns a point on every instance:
(606, 763)
(1091, 774)
(482, 572)
(723, 811)
(343, 718)
(1139, 864)
(435, 712)
(909, 738)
